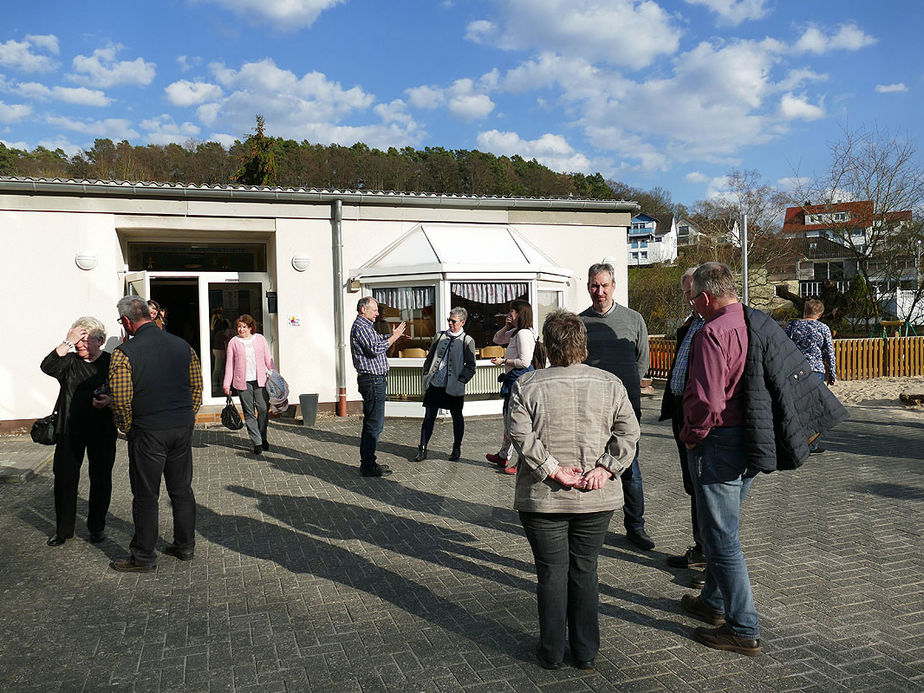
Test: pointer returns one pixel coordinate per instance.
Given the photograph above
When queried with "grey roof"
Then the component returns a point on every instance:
(247, 193)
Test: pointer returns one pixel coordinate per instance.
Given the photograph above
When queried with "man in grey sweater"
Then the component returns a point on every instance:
(617, 342)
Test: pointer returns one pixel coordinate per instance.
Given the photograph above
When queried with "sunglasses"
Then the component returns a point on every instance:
(453, 322)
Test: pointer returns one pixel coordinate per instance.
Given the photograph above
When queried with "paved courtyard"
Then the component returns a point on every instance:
(308, 577)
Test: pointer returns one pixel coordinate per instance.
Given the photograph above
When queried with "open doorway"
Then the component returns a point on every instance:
(179, 298)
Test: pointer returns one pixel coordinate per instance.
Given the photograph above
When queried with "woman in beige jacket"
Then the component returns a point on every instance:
(574, 429)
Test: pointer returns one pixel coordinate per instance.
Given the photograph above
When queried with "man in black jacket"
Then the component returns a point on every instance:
(156, 384)
(672, 408)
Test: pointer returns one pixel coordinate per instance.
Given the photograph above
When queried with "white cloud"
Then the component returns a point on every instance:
(61, 143)
(18, 55)
(735, 11)
(592, 30)
(794, 107)
(164, 130)
(208, 112)
(798, 78)
(284, 15)
(891, 88)
(309, 106)
(849, 37)
(103, 70)
(76, 95)
(113, 128)
(696, 177)
(24, 146)
(792, 183)
(465, 99)
(13, 112)
(186, 93)
(47, 41)
(551, 150)
(223, 138)
(187, 63)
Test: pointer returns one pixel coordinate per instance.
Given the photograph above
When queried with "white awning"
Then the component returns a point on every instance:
(460, 248)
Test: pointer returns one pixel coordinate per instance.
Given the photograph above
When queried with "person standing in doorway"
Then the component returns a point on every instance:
(156, 389)
(246, 363)
(369, 351)
(617, 342)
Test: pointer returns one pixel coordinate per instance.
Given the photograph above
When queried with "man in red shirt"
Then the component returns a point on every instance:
(714, 409)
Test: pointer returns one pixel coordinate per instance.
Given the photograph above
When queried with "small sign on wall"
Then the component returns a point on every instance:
(295, 321)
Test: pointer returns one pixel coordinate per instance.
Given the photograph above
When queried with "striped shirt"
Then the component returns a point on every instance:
(679, 374)
(368, 348)
(121, 389)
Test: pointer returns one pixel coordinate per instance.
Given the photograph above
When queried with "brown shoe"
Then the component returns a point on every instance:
(724, 638)
(697, 608)
(129, 566)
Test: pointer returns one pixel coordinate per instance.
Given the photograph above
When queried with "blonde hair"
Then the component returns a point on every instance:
(93, 327)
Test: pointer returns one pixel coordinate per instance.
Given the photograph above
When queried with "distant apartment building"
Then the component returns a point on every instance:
(832, 239)
(651, 242)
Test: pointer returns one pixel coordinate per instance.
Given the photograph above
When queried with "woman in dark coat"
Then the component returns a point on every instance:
(449, 365)
(84, 425)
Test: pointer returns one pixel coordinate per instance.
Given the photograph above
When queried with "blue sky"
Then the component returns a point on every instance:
(656, 93)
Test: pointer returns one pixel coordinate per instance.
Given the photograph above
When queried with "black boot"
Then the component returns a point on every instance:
(455, 454)
(421, 453)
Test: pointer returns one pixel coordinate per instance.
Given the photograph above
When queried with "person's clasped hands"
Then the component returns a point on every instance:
(573, 477)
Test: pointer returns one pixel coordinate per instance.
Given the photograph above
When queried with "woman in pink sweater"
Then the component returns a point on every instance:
(246, 362)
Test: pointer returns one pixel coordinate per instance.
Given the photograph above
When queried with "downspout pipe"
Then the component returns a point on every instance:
(336, 228)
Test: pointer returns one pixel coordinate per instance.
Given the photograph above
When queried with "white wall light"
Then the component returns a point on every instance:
(301, 262)
(86, 259)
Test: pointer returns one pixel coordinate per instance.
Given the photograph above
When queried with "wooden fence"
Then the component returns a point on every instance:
(857, 359)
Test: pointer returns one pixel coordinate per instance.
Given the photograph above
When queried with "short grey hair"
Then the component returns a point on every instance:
(716, 279)
(687, 275)
(94, 327)
(363, 302)
(134, 308)
(459, 312)
(599, 267)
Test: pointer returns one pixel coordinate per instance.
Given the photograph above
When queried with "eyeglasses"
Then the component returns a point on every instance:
(453, 322)
(693, 300)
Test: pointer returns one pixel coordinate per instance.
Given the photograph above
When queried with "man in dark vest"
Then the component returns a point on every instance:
(617, 341)
(156, 384)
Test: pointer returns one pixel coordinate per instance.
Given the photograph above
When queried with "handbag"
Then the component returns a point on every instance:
(230, 418)
(277, 391)
(43, 430)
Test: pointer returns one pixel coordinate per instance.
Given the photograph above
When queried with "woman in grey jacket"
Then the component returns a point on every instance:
(449, 365)
(574, 429)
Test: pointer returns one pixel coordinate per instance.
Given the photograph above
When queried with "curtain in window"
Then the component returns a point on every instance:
(483, 292)
(406, 297)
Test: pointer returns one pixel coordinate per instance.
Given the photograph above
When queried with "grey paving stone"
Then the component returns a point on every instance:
(310, 577)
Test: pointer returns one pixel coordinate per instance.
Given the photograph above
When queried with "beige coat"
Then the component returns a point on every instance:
(577, 416)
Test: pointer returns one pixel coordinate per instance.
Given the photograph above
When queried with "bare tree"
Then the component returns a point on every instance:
(882, 171)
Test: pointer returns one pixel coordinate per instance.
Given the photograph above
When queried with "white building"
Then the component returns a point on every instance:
(651, 242)
(295, 259)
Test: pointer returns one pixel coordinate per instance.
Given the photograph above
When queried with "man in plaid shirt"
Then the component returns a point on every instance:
(156, 387)
(369, 350)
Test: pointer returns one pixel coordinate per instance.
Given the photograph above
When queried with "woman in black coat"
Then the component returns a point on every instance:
(84, 425)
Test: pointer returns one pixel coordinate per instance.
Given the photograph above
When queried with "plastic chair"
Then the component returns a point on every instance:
(490, 352)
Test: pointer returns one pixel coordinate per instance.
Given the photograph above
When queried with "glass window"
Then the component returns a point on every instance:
(547, 301)
(177, 257)
(635, 244)
(644, 244)
(487, 304)
(415, 305)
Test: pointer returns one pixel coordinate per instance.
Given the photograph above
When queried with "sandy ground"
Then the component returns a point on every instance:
(879, 392)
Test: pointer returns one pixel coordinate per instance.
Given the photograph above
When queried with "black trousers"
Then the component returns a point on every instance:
(565, 548)
(152, 454)
(458, 425)
(69, 450)
(677, 424)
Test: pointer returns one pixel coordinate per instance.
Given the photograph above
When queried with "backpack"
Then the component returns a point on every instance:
(540, 356)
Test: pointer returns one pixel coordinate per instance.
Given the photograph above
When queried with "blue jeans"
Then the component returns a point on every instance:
(565, 547)
(634, 507)
(721, 480)
(372, 390)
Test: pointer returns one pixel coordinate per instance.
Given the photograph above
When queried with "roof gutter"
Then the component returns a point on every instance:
(171, 191)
